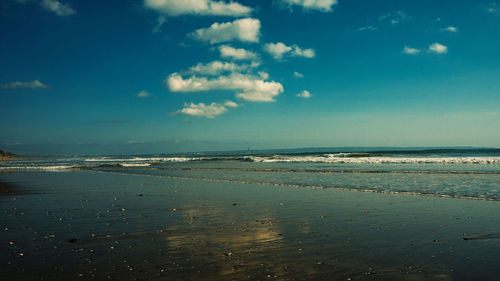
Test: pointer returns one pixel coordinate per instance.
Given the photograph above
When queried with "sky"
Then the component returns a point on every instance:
(151, 76)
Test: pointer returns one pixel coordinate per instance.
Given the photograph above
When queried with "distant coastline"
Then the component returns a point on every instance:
(6, 156)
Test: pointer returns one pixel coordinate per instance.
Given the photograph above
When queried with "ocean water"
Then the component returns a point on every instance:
(455, 173)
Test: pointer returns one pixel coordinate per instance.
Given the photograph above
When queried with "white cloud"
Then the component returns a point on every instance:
(410, 51)
(248, 87)
(24, 85)
(367, 28)
(304, 94)
(198, 7)
(307, 53)
(218, 67)
(298, 75)
(245, 30)
(231, 104)
(201, 110)
(450, 29)
(57, 7)
(320, 5)
(143, 94)
(438, 48)
(237, 54)
(278, 50)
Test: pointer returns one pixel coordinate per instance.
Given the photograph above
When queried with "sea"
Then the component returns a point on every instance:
(457, 173)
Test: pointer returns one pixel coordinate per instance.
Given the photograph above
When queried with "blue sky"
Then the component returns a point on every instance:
(174, 75)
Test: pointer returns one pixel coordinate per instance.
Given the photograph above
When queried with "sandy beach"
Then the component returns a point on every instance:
(104, 226)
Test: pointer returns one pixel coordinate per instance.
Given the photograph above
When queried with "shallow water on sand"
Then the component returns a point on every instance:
(118, 226)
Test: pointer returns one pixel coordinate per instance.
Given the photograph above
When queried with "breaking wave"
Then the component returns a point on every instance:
(359, 159)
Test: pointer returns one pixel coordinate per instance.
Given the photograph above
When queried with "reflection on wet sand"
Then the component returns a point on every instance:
(144, 228)
(202, 247)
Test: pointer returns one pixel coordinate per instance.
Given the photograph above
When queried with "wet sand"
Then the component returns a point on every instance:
(7, 189)
(101, 226)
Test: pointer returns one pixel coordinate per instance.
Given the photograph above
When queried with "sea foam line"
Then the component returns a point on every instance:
(334, 158)
(39, 168)
(139, 159)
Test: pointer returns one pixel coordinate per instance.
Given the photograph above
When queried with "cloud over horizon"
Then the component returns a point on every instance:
(198, 7)
(236, 53)
(438, 48)
(143, 94)
(244, 30)
(450, 29)
(319, 5)
(247, 87)
(202, 110)
(60, 9)
(367, 28)
(232, 104)
(304, 94)
(218, 67)
(279, 50)
(410, 51)
(298, 74)
(35, 84)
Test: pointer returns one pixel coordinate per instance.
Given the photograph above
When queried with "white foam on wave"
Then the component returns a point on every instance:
(39, 168)
(142, 159)
(135, 164)
(336, 158)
